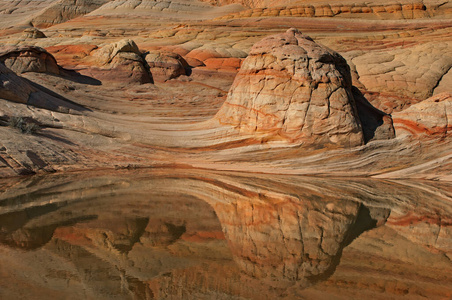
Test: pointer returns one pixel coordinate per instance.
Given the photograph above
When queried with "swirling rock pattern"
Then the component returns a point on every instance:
(295, 89)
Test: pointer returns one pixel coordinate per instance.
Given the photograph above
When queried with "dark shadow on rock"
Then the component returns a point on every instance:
(14, 233)
(75, 76)
(376, 124)
(55, 102)
(58, 138)
(365, 221)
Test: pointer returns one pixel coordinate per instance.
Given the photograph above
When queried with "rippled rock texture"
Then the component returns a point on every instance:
(109, 115)
(430, 118)
(297, 89)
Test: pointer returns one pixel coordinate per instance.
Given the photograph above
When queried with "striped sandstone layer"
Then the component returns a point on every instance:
(296, 90)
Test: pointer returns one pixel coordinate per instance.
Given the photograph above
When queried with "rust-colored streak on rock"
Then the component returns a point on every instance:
(300, 90)
(431, 117)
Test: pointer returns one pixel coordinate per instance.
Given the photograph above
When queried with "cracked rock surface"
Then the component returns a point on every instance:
(295, 89)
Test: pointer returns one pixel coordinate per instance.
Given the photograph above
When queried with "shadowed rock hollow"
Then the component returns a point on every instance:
(291, 88)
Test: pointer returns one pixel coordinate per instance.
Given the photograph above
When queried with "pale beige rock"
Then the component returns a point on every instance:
(33, 33)
(406, 71)
(120, 62)
(64, 10)
(294, 89)
(107, 53)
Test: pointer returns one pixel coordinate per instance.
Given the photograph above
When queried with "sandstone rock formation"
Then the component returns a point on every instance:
(33, 33)
(429, 118)
(17, 89)
(412, 72)
(64, 10)
(294, 89)
(22, 59)
(13, 87)
(166, 65)
(371, 9)
(120, 62)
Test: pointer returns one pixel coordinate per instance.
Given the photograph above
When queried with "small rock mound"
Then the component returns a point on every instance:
(429, 118)
(165, 65)
(22, 59)
(121, 62)
(33, 33)
(291, 88)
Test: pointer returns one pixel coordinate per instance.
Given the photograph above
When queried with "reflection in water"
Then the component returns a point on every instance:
(187, 234)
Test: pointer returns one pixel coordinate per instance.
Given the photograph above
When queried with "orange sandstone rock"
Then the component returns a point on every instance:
(431, 117)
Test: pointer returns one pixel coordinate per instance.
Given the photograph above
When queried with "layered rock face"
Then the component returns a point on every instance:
(13, 87)
(165, 65)
(64, 10)
(120, 62)
(429, 118)
(295, 89)
(22, 59)
(17, 89)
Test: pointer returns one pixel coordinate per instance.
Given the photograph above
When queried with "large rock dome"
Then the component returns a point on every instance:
(291, 88)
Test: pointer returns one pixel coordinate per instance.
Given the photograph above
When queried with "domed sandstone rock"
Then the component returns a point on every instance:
(120, 62)
(165, 65)
(291, 88)
(22, 59)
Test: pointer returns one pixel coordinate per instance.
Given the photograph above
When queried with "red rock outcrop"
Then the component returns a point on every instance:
(69, 56)
(429, 118)
(166, 65)
(291, 88)
(22, 59)
(120, 62)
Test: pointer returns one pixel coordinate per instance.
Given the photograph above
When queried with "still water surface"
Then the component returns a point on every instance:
(192, 234)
